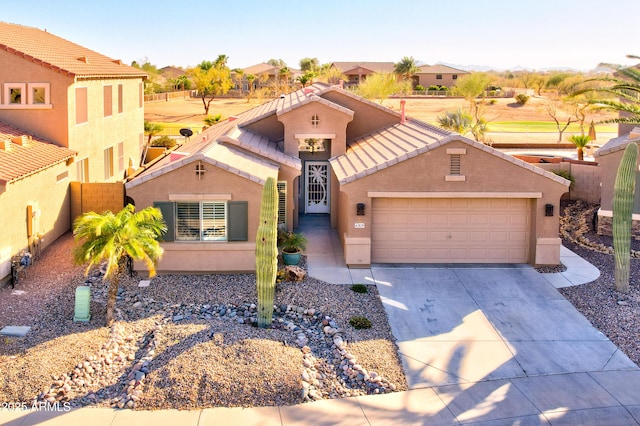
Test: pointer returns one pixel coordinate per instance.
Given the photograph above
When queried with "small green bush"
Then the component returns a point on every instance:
(359, 322)
(565, 174)
(521, 98)
(359, 288)
(165, 141)
(493, 101)
(419, 88)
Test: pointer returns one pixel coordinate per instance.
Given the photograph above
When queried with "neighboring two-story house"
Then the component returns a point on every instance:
(65, 95)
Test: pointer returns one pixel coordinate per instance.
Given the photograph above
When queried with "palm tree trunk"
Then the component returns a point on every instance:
(111, 300)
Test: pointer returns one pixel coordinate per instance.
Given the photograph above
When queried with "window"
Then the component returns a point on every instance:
(201, 221)
(120, 100)
(140, 95)
(83, 170)
(14, 94)
(108, 163)
(108, 101)
(454, 76)
(438, 76)
(205, 221)
(82, 113)
(315, 120)
(121, 156)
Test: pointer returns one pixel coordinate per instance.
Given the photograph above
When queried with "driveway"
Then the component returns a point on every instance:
(468, 324)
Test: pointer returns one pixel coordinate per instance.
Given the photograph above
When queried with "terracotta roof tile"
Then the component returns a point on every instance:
(60, 54)
(20, 161)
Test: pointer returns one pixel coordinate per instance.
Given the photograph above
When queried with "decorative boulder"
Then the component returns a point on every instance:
(294, 273)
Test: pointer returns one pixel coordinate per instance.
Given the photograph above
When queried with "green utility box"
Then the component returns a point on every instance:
(83, 299)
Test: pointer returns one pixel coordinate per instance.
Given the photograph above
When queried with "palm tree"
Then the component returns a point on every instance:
(112, 237)
(152, 129)
(580, 141)
(625, 86)
(406, 67)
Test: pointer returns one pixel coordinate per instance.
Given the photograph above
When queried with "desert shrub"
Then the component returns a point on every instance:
(565, 174)
(359, 288)
(359, 322)
(521, 98)
(165, 141)
(435, 88)
(419, 88)
(493, 101)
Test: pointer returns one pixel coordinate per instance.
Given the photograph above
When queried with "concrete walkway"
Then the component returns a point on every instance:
(494, 345)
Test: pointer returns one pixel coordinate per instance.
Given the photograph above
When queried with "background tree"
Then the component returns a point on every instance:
(306, 78)
(406, 67)
(457, 121)
(111, 237)
(211, 80)
(556, 115)
(309, 65)
(277, 63)
(250, 79)
(151, 84)
(152, 129)
(332, 76)
(380, 86)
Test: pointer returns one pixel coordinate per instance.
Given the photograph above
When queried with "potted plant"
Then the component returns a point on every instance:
(292, 245)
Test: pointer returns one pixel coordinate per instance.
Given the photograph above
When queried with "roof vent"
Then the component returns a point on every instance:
(5, 145)
(83, 59)
(21, 140)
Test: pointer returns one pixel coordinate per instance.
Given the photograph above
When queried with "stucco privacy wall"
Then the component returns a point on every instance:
(96, 197)
(48, 194)
(484, 174)
(586, 185)
(215, 185)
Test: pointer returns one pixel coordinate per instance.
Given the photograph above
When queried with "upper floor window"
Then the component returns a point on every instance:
(120, 99)
(82, 106)
(108, 101)
(438, 76)
(25, 96)
(454, 76)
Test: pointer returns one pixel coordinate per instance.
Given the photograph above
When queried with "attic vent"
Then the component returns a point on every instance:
(454, 164)
(83, 59)
(282, 202)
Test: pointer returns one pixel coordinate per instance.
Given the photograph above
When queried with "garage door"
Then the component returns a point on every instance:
(443, 230)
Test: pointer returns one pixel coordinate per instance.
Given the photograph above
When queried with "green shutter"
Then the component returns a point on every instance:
(169, 216)
(238, 221)
(282, 202)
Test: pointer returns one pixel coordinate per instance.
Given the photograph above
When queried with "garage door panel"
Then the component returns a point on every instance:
(450, 230)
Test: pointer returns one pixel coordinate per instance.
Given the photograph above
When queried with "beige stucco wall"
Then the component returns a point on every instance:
(204, 256)
(49, 199)
(484, 173)
(586, 186)
(57, 123)
(447, 80)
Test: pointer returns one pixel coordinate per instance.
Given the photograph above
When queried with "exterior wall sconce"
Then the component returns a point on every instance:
(360, 209)
(548, 210)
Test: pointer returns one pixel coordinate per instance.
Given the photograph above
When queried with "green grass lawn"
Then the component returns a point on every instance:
(173, 129)
(543, 126)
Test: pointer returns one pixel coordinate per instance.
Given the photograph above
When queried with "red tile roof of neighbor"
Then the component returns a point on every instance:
(20, 161)
(59, 54)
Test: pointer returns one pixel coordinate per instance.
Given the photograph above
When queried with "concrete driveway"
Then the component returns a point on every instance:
(457, 325)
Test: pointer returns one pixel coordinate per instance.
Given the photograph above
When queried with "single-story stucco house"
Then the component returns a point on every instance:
(609, 157)
(397, 190)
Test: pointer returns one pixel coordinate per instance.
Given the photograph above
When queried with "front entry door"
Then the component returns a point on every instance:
(316, 187)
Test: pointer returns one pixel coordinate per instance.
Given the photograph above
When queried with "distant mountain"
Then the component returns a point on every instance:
(485, 68)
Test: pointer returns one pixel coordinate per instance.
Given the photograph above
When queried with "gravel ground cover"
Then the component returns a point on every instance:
(188, 341)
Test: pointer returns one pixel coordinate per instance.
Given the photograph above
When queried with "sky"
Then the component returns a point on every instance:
(502, 34)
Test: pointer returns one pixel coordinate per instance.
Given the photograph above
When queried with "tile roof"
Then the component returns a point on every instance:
(440, 69)
(31, 157)
(59, 54)
(618, 144)
(400, 142)
(345, 67)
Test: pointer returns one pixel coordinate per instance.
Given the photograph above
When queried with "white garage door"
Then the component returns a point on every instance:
(450, 230)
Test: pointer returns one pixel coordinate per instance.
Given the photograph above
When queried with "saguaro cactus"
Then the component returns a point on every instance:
(623, 193)
(267, 252)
